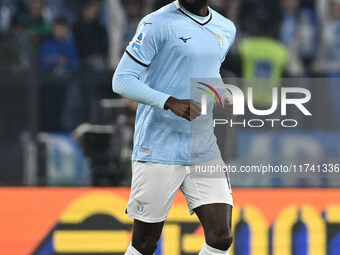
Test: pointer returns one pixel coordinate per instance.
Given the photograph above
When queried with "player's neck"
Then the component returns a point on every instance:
(198, 7)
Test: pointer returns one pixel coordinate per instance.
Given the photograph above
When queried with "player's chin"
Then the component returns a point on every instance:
(192, 1)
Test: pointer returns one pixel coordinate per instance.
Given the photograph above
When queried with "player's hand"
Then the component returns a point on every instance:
(228, 107)
(187, 109)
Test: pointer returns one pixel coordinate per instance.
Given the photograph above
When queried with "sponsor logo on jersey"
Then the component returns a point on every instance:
(185, 39)
(146, 23)
(138, 41)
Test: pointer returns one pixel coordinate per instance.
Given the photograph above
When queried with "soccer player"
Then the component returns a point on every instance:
(183, 40)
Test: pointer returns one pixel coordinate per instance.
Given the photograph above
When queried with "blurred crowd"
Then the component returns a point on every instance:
(287, 38)
(291, 38)
(54, 36)
(59, 38)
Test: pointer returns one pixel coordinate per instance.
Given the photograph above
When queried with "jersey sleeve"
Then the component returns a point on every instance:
(231, 38)
(147, 41)
(126, 83)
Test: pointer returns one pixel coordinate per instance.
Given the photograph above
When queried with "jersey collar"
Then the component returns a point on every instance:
(191, 16)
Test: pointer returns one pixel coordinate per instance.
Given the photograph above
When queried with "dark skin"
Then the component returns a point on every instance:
(197, 7)
(215, 218)
(190, 109)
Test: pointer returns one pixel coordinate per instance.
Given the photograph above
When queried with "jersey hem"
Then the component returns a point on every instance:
(165, 162)
(177, 162)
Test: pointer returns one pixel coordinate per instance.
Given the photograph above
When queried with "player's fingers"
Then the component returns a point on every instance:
(228, 108)
(227, 102)
(187, 111)
(195, 105)
(194, 116)
(195, 112)
(186, 116)
(190, 110)
(229, 112)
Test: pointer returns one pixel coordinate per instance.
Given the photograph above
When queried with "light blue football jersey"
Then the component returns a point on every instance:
(176, 46)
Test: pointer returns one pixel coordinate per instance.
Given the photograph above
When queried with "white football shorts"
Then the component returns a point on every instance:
(154, 188)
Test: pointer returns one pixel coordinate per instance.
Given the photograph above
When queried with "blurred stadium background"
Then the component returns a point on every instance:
(61, 126)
